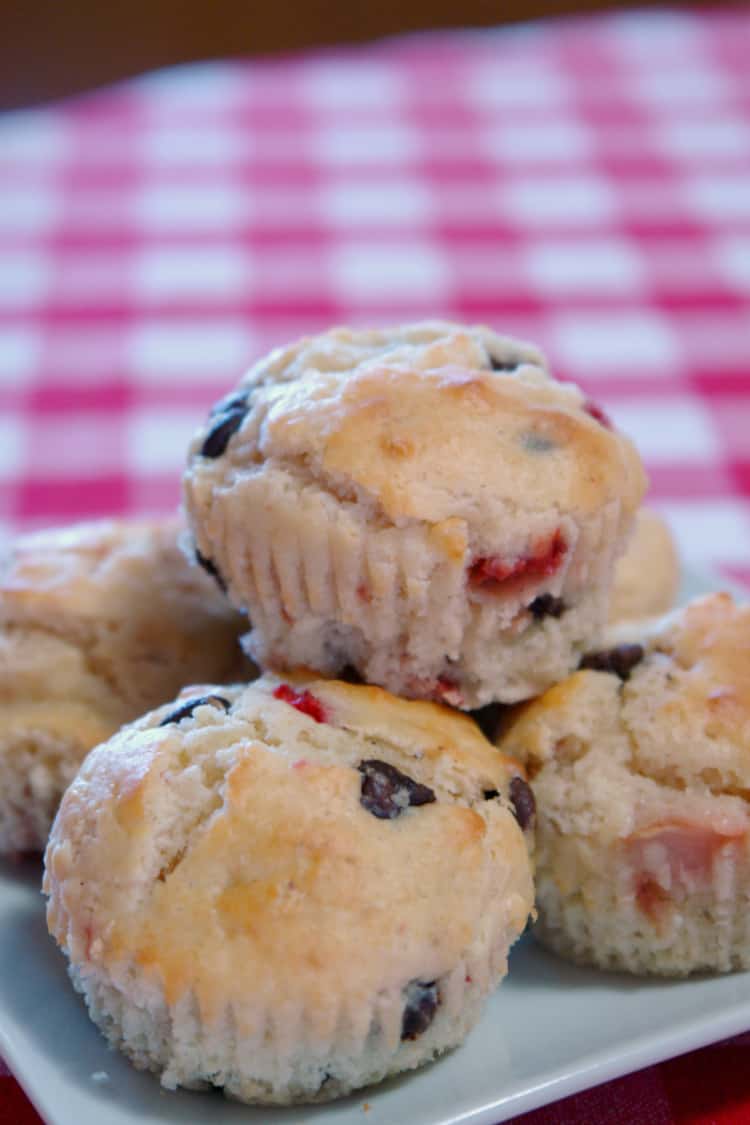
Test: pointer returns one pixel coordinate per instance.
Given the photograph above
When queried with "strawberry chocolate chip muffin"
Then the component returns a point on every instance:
(647, 577)
(640, 764)
(99, 622)
(292, 889)
(426, 504)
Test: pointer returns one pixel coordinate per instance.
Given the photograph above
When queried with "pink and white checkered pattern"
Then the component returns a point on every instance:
(584, 184)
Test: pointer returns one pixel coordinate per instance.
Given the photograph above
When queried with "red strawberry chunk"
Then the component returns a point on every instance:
(600, 415)
(651, 899)
(672, 858)
(544, 561)
(448, 691)
(304, 701)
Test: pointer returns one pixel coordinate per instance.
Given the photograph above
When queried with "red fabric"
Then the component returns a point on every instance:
(584, 184)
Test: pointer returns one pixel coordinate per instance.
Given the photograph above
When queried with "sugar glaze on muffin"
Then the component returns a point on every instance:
(425, 504)
(641, 769)
(292, 889)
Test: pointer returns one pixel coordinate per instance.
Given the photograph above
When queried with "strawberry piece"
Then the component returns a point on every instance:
(544, 561)
(597, 413)
(441, 690)
(652, 899)
(678, 853)
(447, 691)
(303, 701)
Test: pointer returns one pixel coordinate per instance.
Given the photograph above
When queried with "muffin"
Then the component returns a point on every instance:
(641, 770)
(647, 577)
(98, 623)
(291, 889)
(425, 505)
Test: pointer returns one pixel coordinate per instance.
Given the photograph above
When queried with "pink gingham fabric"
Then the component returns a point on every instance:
(584, 184)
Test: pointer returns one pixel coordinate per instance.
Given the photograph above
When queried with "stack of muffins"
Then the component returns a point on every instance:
(295, 885)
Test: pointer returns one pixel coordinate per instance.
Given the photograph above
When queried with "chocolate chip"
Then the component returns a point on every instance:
(620, 661)
(490, 794)
(547, 605)
(187, 708)
(223, 427)
(422, 999)
(488, 719)
(211, 568)
(237, 400)
(349, 675)
(523, 802)
(386, 792)
(537, 443)
(503, 364)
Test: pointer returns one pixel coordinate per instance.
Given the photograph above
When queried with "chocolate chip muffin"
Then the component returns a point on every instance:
(425, 504)
(292, 889)
(641, 769)
(647, 577)
(98, 623)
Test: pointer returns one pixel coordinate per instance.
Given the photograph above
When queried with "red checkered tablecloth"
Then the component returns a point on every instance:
(585, 184)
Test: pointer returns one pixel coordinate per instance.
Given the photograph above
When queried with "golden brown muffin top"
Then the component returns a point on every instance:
(424, 422)
(298, 842)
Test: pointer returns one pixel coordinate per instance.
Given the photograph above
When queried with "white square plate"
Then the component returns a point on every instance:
(550, 1030)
